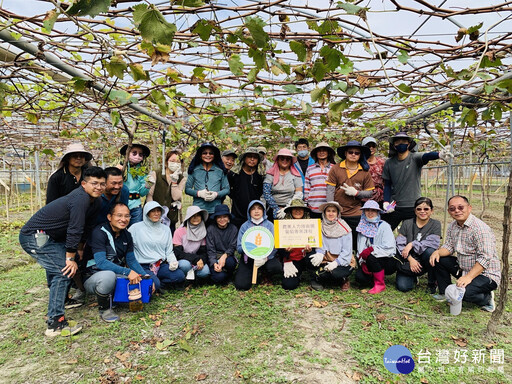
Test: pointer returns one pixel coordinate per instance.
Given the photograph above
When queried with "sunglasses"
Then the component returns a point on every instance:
(457, 208)
(285, 158)
(207, 153)
(353, 152)
(419, 209)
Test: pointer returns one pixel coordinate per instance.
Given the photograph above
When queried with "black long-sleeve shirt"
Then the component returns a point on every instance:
(69, 219)
(60, 183)
(219, 241)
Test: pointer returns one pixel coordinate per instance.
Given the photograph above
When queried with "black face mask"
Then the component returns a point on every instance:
(401, 148)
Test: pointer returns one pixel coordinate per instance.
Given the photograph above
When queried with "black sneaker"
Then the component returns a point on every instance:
(62, 327)
(316, 285)
(72, 303)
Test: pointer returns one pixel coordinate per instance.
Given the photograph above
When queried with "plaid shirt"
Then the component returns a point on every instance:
(474, 242)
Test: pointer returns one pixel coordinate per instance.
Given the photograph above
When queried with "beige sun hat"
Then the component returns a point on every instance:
(77, 148)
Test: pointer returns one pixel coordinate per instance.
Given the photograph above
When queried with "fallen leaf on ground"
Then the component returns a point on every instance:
(107, 360)
(357, 376)
(158, 323)
(381, 317)
(238, 374)
(460, 341)
(423, 381)
(72, 361)
(201, 376)
(123, 356)
(320, 304)
(490, 345)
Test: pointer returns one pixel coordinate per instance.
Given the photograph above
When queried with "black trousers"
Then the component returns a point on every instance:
(399, 215)
(376, 264)
(243, 275)
(336, 276)
(303, 264)
(353, 222)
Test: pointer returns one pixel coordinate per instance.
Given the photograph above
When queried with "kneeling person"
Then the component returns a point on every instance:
(111, 247)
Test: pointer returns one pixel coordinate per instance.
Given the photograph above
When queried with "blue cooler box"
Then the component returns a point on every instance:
(123, 286)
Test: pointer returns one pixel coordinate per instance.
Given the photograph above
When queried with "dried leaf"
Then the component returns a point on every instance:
(355, 306)
(238, 374)
(423, 381)
(357, 376)
(201, 376)
(72, 361)
(460, 341)
(490, 345)
(107, 360)
(138, 377)
(320, 304)
(122, 356)
(379, 303)
(381, 317)
(158, 323)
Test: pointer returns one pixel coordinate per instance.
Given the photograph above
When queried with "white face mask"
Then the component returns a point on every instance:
(173, 166)
(259, 221)
(135, 158)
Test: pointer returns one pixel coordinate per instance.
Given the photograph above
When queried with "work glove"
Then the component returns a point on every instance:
(173, 265)
(316, 259)
(260, 262)
(150, 180)
(389, 207)
(176, 204)
(331, 266)
(445, 155)
(175, 176)
(289, 270)
(280, 214)
(202, 194)
(210, 196)
(365, 253)
(349, 190)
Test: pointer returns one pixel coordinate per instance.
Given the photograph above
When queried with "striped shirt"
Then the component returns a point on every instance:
(474, 242)
(315, 189)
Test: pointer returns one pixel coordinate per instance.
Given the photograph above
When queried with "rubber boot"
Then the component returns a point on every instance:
(378, 279)
(105, 307)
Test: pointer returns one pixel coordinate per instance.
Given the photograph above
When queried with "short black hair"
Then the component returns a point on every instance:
(113, 171)
(96, 172)
(425, 200)
(462, 197)
(113, 207)
(301, 141)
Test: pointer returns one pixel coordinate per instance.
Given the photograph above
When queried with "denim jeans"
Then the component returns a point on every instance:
(165, 275)
(135, 215)
(52, 257)
(222, 276)
(185, 266)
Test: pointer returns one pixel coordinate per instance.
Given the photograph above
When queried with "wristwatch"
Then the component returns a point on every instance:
(70, 259)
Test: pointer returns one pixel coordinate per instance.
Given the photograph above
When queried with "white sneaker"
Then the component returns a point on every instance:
(190, 275)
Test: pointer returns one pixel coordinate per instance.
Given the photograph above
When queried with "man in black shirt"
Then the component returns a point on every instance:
(246, 184)
(55, 235)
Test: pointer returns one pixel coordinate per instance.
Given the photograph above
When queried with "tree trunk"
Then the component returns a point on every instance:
(498, 313)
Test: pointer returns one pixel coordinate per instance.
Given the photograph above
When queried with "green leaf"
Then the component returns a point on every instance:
(236, 65)
(455, 98)
(474, 28)
(351, 9)
(468, 117)
(347, 67)
(255, 26)
(204, 28)
(299, 48)
(403, 57)
(138, 73)
(189, 3)
(32, 117)
(198, 73)
(486, 62)
(339, 106)
(319, 70)
(258, 57)
(317, 94)
(121, 97)
(404, 90)
(243, 114)
(331, 56)
(506, 85)
(352, 90)
(489, 88)
(263, 120)
(49, 20)
(290, 118)
(153, 27)
(138, 12)
(216, 124)
(89, 7)
(251, 76)
(80, 84)
(48, 152)
(116, 67)
(328, 27)
(258, 90)
(115, 117)
(159, 99)
(340, 86)
(291, 88)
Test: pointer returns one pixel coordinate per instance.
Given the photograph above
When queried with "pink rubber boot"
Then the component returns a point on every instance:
(378, 279)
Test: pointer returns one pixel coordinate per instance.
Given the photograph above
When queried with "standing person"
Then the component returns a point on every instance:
(282, 184)
(69, 173)
(168, 188)
(228, 159)
(110, 248)
(221, 240)
(295, 260)
(189, 242)
(265, 161)
(376, 164)
(335, 255)
(115, 192)
(207, 182)
(152, 244)
(349, 181)
(243, 277)
(54, 236)
(136, 178)
(303, 158)
(375, 248)
(476, 265)
(402, 177)
(315, 188)
(246, 184)
(417, 239)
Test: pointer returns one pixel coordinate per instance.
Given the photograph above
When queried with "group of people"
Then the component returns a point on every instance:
(95, 229)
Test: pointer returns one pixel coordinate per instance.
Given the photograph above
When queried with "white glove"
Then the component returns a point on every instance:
(316, 259)
(260, 262)
(445, 155)
(210, 196)
(176, 175)
(331, 266)
(280, 214)
(289, 269)
(176, 204)
(173, 265)
(150, 180)
(388, 208)
(202, 194)
(349, 190)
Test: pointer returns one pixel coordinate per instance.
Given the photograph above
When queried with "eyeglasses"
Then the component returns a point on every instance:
(77, 154)
(353, 152)
(371, 145)
(207, 153)
(96, 184)
(284, 158)
(457, 208)
(419, 209)
(121, 216)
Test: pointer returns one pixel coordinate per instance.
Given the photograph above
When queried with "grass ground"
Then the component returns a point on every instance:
(266, 335)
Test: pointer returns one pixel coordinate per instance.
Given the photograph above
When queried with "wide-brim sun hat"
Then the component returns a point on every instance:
(353, 144)
(77, 148)
(220, 210)
(322, 144)
(145, 150)
(402, 135)
(262, 150)
(324, 206)
(285, 152)
(371, 204)
(297, 203)
(250, 150)
(192, 210)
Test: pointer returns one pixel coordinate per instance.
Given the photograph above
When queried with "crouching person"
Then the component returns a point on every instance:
(221, 245)
(243, 278)
(152, 242)
(111, 248)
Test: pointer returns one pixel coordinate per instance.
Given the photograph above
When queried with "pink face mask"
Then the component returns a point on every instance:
(135, 157)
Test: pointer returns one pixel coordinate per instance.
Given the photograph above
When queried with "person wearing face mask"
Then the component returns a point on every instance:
(402, 177)
(303, 158)
(168, 187)
(375, 248)
(136, 178)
